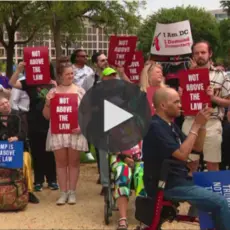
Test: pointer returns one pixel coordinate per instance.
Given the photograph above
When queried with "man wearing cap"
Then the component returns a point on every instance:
(101, 62)
(107, 74)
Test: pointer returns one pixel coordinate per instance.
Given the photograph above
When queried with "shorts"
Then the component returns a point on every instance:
(212, 142)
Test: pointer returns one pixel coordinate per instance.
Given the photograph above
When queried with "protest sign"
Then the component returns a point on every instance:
(150, 93)
(37, 65)
(194, 84)
(218, 182)
(172, 39)
(64, 113)
(133, 71)
(11, 154)
(121, 50)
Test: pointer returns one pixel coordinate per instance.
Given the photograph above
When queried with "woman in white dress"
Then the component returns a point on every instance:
(66, 147)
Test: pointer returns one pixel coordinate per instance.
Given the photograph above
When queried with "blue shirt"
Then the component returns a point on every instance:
(161, 141)
(4, 81)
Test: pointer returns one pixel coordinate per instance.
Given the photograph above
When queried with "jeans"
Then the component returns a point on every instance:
(203, 200)
(104, 168)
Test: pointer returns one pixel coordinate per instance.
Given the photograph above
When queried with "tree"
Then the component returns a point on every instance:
(69, 17)
(225, 5)
(224, 52)
(17, 16)
(203, 25)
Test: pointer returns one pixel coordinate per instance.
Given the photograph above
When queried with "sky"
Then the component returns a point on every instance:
(154, 5)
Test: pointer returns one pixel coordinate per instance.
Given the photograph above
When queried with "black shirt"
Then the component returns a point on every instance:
(16, 127)
(161, 141)
(37, 95)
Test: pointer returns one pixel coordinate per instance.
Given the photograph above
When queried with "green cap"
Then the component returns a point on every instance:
(108, 71)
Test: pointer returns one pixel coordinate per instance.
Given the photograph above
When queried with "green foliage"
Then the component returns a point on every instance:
(225, 5)
(224, 51)
(2, 66)
(203, 25)
(19, 16)
(36, 17)
(70, 17)
(25, 17)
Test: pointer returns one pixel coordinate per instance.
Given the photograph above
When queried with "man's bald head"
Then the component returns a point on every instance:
(162, 95)
(167, 101)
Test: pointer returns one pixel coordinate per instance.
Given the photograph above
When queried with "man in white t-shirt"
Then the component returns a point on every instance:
(19, 99)
(83, 77)
(83, 74)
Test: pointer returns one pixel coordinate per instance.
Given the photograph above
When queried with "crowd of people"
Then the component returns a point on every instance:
(56, 157)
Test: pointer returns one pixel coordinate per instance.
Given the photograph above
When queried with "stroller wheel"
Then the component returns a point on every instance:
(108, 206)
(106, 214)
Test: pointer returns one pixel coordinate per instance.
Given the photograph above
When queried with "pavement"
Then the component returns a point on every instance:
(86, 214)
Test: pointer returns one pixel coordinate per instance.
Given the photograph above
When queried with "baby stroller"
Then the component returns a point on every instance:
(110, 203)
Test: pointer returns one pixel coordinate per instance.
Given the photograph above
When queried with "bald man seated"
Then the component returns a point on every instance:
(165, 140)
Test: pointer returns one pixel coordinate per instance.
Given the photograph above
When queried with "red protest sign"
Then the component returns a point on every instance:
(133, 71)
(121, 50)
(37, 65)
(64, 113)
(194, 84)
(150, 93)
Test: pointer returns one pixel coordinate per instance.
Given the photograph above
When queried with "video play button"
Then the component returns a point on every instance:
(114, 115)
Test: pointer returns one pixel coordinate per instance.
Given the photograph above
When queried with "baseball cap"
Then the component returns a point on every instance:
(108, 71)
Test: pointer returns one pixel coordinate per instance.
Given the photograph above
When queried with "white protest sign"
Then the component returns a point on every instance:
(172, 39)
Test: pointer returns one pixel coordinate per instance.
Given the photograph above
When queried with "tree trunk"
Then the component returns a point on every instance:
(57, 35)
(9, 59)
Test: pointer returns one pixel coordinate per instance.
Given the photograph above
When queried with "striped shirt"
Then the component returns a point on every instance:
(221, 84)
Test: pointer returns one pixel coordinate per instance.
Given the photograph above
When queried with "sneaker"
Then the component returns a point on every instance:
(72, 197)
(33, 199)
(53, 186)
(62, 199)
(89, 156)
(38, 187)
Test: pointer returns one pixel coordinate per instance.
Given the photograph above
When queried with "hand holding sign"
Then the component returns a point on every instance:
(49, 96)
(12, 139)
(203, 116)
(76, 131)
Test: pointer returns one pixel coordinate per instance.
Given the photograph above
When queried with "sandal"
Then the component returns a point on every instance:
(122, 226)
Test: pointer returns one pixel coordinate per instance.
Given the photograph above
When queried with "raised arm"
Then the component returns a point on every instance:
(46, 109)
(192, 141)
(14, 82)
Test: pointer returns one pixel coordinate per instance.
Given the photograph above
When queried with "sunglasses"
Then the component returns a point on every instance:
(83, 56)
(103, 60)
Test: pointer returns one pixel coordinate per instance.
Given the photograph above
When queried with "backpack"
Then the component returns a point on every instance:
(14, 195)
